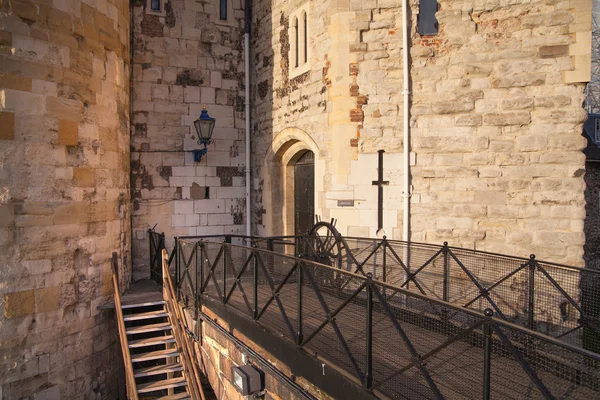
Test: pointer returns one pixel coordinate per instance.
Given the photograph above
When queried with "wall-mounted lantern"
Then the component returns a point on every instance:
(204, 128)
(247, 379)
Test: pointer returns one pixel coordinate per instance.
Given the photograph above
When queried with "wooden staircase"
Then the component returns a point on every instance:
(159, 360)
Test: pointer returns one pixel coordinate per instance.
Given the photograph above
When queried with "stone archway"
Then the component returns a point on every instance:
(278, 176)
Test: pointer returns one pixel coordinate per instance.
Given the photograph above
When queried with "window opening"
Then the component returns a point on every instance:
(427, 23)
(155, 5)
(305, 38)
(296, 55)
(597, 130)
(223, 10)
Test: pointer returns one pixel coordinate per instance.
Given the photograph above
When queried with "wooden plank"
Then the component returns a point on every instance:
(146, 315)
(163, 326)
(178, 396)
(151, 341)
(160, 385)
(157, 370)
(155, 355)
(146, 304)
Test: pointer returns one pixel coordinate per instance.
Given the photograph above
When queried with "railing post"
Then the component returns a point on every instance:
(369, 333)
(531, 292)
(487, 354)
(255, 284)
(151, 260)
(176, 250)
(384, 261)
(299, 322)
(270, 244)
(196, 292)
(201, 250)
(225, 270)
(445, 289)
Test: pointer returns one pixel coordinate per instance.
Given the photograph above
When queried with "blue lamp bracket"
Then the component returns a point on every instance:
(201, 152)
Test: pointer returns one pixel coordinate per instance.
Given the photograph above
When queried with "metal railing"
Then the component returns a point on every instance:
(395, 342)
(557, 300)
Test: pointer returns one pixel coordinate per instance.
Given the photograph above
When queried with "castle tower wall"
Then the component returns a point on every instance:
(64, 208)
(496, 119)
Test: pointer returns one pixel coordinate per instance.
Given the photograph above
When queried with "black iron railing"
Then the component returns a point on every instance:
(557, 300)
(395, 342)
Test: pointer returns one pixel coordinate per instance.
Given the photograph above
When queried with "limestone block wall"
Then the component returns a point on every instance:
(185, 59)
(496, 121)
(64, 208)
(496, 117)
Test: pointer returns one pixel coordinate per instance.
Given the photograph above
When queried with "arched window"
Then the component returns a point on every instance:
(304, 37)
(296, 49)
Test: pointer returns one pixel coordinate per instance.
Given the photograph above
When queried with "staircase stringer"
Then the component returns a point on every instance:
(186, 349)
(129, 376)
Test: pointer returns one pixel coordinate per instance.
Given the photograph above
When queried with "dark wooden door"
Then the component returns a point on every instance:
(304, 193)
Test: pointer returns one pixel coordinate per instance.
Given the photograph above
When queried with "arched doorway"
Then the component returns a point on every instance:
(304, 193)
(290, 148)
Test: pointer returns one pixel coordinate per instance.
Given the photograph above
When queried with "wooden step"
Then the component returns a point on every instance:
(152, 341)
(178, 396)
(163, 326)
(157, 370)
(154, 355)
(146, 304)
(146, 315)
(160, 385)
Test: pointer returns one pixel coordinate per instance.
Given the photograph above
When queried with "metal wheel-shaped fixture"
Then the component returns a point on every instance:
(327, 244)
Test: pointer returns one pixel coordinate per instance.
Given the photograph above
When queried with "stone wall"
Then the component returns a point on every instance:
(496, 117)
(64, 179)
(183, 60)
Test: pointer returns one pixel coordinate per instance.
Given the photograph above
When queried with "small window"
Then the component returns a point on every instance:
(156, 7)
(223, 10)
(427, 23)
(296, 44)
(304, 37)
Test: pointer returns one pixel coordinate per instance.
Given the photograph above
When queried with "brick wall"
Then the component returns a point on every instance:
(183, 61)
(64, 208)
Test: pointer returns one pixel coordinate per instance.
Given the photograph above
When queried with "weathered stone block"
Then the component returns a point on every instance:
(7, 125)
(67, 132)
(505, 119)
(520, 80)
(553, 51)
(66, 109)
(84, 177)
(19, 304)
(47, 299)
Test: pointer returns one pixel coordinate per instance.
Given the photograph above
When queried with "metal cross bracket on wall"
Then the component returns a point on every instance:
(380, 183)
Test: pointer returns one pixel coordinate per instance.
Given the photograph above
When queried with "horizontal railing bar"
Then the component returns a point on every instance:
(412, 245)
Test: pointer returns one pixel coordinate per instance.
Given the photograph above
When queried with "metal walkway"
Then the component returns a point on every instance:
(394, 340)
